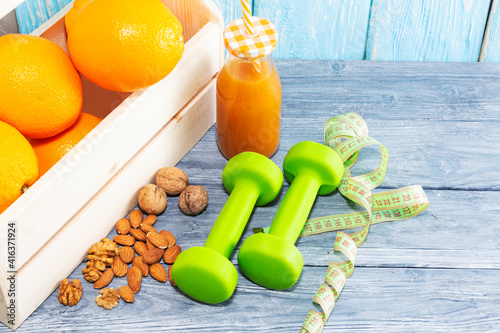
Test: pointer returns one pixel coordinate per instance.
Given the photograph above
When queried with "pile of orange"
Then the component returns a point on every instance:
(121, 45)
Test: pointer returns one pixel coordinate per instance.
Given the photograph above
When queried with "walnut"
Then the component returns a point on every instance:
(99, 257)
(152, 199)
(193, 200)
(108, 298)
(70, 293)
(106, 247)
(172, 180)
(92, 273)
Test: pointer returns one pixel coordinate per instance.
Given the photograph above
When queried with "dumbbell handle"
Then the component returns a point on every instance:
(229, 226)
(295, 207)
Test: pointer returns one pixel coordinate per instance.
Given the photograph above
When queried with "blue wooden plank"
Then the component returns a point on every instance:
(333, 29)
(33, 13)
(490, 50)
(436, 272)
(434, 30)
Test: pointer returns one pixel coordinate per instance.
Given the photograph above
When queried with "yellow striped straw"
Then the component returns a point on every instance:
(247, 17)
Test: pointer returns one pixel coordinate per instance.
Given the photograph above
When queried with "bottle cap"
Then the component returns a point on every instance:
(243, 45)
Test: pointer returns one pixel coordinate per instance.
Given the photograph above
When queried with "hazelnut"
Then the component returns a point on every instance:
(152, 199)
(193, 200)
(172, 180)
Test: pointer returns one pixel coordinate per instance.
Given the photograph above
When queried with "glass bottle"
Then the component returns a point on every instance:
(248, 105)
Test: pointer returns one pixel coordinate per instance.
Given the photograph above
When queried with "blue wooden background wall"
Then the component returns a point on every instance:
(411, 30)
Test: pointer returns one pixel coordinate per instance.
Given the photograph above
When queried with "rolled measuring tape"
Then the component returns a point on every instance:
(393, 205)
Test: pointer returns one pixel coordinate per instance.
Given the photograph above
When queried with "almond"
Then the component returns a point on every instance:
(157, 240)
(158, 272)
(150, 219)
(170, 278)
(150, 245)
(171, 254)
(119, 267)
(134, 279)
(137, 262)
(138, 234)
(126, 294)
(135, 218)
(124, 240)
(140, 247)
(152, 256)
(127, 254)
(123, 226)
(105, 279)
(147, 228)
(168, 235)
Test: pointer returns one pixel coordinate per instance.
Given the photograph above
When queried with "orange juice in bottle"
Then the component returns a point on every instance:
(249, 91)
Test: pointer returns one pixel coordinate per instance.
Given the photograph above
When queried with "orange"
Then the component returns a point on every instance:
(18, 165)
(51, 150)
(40, 90)
(124, 45)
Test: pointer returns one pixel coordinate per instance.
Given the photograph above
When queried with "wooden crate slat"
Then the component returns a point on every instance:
(326, 29)
(114, 199)
(426, 30)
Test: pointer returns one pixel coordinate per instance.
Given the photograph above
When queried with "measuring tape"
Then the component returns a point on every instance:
(393, 205)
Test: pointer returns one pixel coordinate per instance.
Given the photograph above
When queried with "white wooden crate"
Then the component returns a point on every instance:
(78, 201)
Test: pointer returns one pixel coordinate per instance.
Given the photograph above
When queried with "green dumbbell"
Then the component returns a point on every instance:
(272, 260)
(205, 273)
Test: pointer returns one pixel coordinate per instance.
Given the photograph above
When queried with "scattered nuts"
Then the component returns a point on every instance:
(126, 294)
(148, 228)
(140, 248)
(170, 278)
(108, 298)
(150, 219)
(158, 272)
(119, 267)
(157, 240)
(125, 240)
(135, 218)
(168, 235)
(105, 279)
(134, 279)
(123, 226)
(138, 234)
(152, 199)
(171, 254)
(172, 180)
(101, 254)
(141, 265)
(150, 245)
(70, 293)
(91, 273)
(152, 256)
(193, 200)
(127, 254)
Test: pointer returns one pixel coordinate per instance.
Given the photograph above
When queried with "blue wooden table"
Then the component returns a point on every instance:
(439, 271)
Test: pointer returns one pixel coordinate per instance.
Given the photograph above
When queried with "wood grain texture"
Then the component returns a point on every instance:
(333, 29)
(490, 50)
(437, 272)
(33, 13)
(426, 30)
